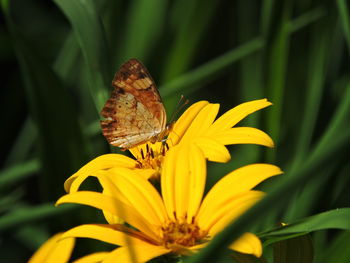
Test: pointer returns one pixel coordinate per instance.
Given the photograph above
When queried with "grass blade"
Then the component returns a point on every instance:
(333, 219)
(26, 215)
(211, 68)
(51, 118)
(90, 35)
(16, 173)
(141, 32)
(343, 10)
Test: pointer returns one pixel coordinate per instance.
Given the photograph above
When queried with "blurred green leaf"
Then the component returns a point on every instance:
(338, 251)
(5, 4)
(334, 219)
(308, 197)
(307, 18)
(141, 32)
(345, 20)
(8, 201)
(24, 143)
(192, 17)
(317, 64)
(316, 75)
(298, 249)
(25, 215)
(203, 73)
(341, 183)
(277, 59)
(89, 32)
(266, 16)
(245, 258)
(46, 97)
(65, 65)
(18, 172)
(32, 236)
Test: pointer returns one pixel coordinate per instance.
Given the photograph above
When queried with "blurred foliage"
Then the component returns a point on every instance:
(58, 59)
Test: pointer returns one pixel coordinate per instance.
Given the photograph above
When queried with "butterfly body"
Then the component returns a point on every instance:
(134, 113)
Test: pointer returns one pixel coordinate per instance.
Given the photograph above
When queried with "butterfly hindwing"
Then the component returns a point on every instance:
(134, 113)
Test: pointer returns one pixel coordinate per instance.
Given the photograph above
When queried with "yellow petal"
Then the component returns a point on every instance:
(244, 135)
(110, 218)
(145, 173)
(100, 163)
(221, 212)
(92, 258)
(239, 180)
(183, 181)
(113, 206)
(233, 116)
(196, 181)
(54, 250)
(181, 175)
(139, 193)
(168, 181)
(248, 243)
(104, 233)
(185, 121)
(135, 254)
(213, 150)
(201, 123)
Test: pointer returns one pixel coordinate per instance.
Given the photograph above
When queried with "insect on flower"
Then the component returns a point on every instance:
(134, 114)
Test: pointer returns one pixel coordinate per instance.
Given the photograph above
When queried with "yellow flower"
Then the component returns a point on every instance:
(54, 249)
(197, 125)
(179, 220)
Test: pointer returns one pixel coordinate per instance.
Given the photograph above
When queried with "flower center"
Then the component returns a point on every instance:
(182, 234)
(151, 156)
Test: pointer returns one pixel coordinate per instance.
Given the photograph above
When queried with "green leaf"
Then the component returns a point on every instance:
(317, 62)
(337, 251)
(65, 65)
(192, 17)
(54, 114)
(244, 258)
(307, 18)
(141, 32)
(18, 172)
(23, 145)
(343, 10)
(89, 32)
(277, 61)
(32, 236)
(8, 201)
(26, 215)
(206, 71)
(298, 249)
(334, 219)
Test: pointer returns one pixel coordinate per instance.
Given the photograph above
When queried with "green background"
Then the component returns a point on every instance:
(58, 59)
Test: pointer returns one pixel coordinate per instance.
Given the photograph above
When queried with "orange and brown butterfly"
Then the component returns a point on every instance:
(134, 114)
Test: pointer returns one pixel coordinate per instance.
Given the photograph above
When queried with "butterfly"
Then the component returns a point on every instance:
(134, 114)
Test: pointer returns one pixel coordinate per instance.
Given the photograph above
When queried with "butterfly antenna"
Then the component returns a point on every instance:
(179, 106)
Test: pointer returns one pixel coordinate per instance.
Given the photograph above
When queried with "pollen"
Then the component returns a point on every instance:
(151, 157)
(184, 234)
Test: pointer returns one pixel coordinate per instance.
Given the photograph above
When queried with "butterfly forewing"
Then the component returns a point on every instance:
(134, 113)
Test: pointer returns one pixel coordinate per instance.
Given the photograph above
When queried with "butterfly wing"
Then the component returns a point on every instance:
(134, 113)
